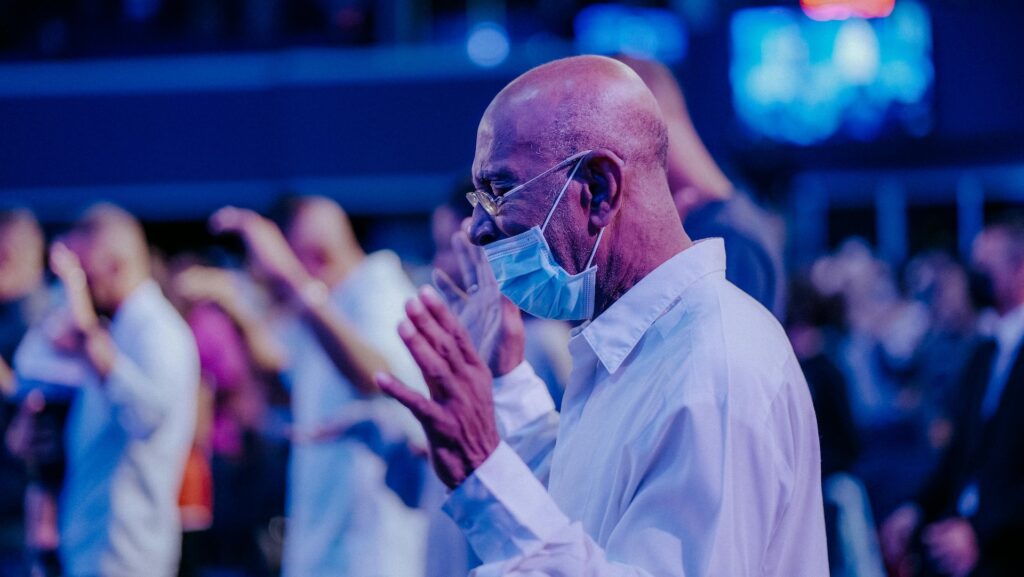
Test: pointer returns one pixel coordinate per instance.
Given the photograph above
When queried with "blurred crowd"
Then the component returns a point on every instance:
(201, 414)
(61, 28)
(51, 28)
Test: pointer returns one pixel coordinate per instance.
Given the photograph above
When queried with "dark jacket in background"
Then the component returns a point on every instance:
(753, 247)
(839, 441)
(990, 453)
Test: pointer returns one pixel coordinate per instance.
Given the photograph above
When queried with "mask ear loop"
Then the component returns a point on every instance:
(551, 212)
(565, 187)
(593, 253)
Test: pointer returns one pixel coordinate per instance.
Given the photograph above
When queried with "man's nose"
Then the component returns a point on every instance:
(482, 229)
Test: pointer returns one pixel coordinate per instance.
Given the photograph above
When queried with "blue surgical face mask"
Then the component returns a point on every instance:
(530, 277)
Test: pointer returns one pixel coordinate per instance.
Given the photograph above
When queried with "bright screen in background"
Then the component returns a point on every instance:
(805, 81)
(641, 32)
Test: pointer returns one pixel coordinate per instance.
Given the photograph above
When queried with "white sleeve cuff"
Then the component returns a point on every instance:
(503, 509)
(520, 397)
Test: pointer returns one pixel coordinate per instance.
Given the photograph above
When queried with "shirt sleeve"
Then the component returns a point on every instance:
(150, 378)
(526, 417)
(517, 529)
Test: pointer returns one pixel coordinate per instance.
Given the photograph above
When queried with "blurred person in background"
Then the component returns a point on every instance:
(343, 516)
(810, 316)
(26, 520)
(969, 518)
(195, 501)
(710, 205)
(247, 452)
(812, 320)
(882, 333)
(941, 283)
(22, 258)
(133, 416)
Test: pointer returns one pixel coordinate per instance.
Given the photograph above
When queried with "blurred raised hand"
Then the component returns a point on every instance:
(86, 337)
(199, 283)
(266, 244)
(493, 323)
(953, 546)
(206, 284)
(66, 266)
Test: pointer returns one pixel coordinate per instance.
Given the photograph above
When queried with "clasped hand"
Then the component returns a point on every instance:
(457, 363)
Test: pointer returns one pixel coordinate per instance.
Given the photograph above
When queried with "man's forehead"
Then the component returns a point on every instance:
(502, 146)
(492, 155)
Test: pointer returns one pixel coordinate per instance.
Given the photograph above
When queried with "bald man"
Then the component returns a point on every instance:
(687, 442)
(709, 204)
(133, 417)
(344, 518)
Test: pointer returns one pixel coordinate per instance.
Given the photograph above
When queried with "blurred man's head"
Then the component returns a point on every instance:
(941, 283)
(22, 258)
(998, 258)
(111, 246)
(693, 176)
(545, 117)
(321, 236)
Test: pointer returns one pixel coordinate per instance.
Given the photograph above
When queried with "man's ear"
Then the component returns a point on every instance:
(603, 184)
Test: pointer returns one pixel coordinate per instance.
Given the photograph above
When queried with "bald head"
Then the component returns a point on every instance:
(618, 192)
(112, 248)
(21, 254)
(321, 235)
(579, 103)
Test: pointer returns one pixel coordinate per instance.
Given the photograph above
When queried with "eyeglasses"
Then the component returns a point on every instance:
(492, 204)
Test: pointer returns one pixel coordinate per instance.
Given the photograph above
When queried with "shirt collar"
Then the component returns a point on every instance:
(1009, 328)
(615, 333)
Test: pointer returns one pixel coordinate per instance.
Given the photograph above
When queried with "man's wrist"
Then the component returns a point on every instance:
(99, 349)
(503, 509)
(474, 461)
(309, 294)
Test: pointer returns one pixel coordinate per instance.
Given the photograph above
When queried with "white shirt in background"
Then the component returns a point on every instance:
(342, 517)
(686, 446)
(127, 442)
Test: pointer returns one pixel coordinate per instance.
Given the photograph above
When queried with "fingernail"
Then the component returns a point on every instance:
(430, 294)
(414, 306)
(405, 329)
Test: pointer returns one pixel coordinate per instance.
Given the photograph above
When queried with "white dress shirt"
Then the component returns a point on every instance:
(343, 518)
(1008, 332)
(127, 442)
(686, 445)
